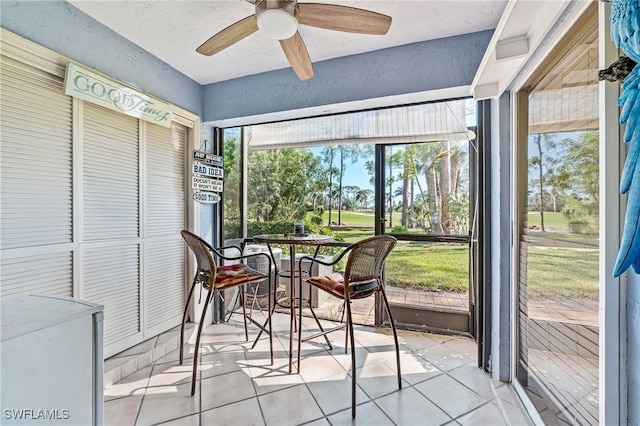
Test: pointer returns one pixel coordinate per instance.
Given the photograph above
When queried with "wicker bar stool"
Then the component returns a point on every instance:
(219, 278)
(362, 277)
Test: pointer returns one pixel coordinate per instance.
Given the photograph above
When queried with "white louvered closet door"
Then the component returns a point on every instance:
(36, 219)
(165, 217)
(110, 254)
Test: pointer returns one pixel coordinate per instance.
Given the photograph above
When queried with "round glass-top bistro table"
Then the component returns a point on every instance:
(292, 240)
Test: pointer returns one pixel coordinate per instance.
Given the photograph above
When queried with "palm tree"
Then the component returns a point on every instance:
(362, 197)
(329, 154)
(347, 152)
(445, 185)
(428, 156)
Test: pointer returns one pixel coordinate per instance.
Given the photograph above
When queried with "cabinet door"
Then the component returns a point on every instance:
(47, 375)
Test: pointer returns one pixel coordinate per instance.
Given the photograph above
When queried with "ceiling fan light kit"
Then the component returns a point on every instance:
(276, 18)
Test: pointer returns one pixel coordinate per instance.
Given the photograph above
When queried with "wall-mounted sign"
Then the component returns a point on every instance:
(203, 169)
(108, 93)
(205, 157)
(206, 184)
(206, 197)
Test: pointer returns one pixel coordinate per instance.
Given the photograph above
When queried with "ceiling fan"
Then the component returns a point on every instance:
(279, 19)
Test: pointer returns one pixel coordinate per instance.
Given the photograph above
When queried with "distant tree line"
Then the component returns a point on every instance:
(564, 175)
(426, 183)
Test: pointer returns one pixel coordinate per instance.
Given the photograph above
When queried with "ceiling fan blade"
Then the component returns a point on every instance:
(230, 35)
(298, 56)
(343, 18)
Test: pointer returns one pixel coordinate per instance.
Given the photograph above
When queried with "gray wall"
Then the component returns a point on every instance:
(417, 67)
(62, 28)
(501, 237)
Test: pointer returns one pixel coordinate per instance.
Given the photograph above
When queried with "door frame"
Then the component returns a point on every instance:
(440, 320)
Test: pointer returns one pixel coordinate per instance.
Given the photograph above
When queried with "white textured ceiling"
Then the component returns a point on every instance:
(172, 30)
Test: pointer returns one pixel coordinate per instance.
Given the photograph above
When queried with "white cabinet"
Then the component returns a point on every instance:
(51, 361)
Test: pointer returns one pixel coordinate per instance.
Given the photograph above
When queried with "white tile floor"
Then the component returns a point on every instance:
(237, 386)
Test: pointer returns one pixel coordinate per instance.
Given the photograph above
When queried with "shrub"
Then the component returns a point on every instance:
(579, 226)
(399, 229)
(256, 228)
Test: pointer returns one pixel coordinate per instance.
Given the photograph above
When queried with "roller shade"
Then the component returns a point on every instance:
(417, 123)
(566, 98)
(569, 109)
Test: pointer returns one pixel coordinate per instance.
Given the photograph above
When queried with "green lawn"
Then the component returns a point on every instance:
(352, 235)
(562, 272)
(558, 222)
(552, 272)
(350, 218)
(433, 266)
(551, 220)
(415, 264)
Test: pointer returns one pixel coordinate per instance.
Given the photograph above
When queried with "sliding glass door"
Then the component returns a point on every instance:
(558, 288)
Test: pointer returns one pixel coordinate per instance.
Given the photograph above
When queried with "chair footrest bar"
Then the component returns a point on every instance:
(262, 327)
(322, 333)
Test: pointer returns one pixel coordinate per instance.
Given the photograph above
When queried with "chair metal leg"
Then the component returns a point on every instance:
(244, 313)
(316, 318)
(270, 309)
(184, 319)
(395, 337)
(300, 324)
(346, 331)
(342, 309)
(197, 348)
(353, 361)
(292, 320)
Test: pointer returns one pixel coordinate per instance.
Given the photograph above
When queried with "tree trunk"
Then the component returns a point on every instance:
(445, 186)
(340, 185)
(411, 204)
(330, 185)
(434, 210)
(406, 165)
(541, 182)
(456, 172)
(405, 201)
(390, 195)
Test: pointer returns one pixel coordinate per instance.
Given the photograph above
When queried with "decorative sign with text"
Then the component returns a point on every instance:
(204, 169)
(206, 184)
(205, 157)
(207, 166)
(108, 93)
(206, 197)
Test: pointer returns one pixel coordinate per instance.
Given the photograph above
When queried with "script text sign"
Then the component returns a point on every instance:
(94, 88)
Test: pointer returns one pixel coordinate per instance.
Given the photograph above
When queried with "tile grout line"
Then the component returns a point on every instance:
(245, 352)
(498, 399)
(143, 397)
